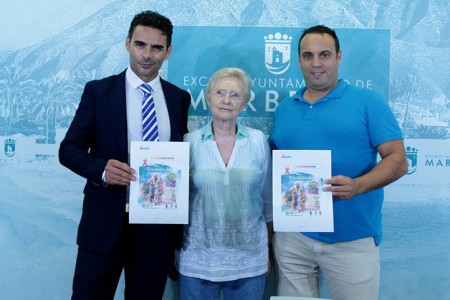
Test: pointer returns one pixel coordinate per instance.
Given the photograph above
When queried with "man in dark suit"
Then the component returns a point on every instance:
(96, 147)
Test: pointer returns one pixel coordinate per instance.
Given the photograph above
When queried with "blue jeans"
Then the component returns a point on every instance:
(251, 288)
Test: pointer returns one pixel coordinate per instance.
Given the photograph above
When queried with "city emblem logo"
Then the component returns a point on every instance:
(277, 53)
(411, 155)
(10, 147)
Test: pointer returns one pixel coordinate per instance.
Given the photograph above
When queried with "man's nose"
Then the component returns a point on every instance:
(148, 52)
(315, 61)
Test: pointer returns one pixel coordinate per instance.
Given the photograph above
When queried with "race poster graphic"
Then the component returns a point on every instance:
(159, 195)
(299, 202)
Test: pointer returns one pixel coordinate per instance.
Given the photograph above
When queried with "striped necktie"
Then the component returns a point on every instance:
(149, 124)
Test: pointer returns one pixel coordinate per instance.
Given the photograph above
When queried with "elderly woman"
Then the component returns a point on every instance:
(226, 242)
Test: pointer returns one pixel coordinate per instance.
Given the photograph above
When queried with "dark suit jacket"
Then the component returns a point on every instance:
(98, 133)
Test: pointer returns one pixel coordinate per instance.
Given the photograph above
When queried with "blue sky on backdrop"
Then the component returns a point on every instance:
(23, 24)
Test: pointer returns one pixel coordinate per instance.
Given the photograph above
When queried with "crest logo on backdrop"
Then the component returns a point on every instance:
(277, 53)
(10, 147)
(411, 155)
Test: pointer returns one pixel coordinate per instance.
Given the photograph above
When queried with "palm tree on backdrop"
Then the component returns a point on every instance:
(15, 87)
(55, 97)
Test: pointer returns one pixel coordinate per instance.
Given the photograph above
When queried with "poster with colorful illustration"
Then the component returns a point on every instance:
(299, 202)
(160, 193)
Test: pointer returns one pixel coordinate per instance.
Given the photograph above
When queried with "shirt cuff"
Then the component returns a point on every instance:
(105, 184)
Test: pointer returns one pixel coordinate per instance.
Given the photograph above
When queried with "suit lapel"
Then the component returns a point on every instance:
(119, 113)
(170, 95)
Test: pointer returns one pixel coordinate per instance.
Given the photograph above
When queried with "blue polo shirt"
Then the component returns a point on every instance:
(351, 122)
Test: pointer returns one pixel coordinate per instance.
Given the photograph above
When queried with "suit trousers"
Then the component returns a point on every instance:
(144, 252)
(351, 269)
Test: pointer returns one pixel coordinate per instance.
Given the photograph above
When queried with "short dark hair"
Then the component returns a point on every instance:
(321, 29)
(155, 20)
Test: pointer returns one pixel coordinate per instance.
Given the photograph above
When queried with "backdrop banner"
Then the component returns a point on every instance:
(270, 56)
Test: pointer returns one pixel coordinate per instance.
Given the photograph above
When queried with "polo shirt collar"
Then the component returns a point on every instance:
(335, 93)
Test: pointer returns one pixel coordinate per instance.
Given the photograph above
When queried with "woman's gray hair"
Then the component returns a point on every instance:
(238, 73)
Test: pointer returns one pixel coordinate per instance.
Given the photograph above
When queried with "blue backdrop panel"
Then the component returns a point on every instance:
(270, 56)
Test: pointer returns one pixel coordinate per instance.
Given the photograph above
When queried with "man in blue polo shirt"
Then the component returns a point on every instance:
(356, 125)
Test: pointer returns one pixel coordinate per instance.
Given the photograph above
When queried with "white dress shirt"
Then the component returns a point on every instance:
(134, 108)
